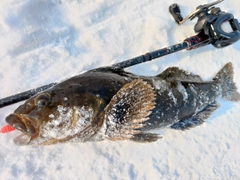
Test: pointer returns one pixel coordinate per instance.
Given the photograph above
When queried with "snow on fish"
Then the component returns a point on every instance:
(110, 103)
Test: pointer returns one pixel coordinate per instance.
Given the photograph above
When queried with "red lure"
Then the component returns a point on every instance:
(7, 128)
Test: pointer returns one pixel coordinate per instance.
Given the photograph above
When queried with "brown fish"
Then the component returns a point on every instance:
(109, 103)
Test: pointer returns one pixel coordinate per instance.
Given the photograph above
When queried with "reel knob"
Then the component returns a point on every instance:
(174, 9)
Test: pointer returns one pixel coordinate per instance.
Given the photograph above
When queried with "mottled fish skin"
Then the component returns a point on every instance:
(80, 109)
(178, 99)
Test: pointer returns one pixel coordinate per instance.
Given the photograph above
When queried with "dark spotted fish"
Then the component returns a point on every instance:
(109, 103)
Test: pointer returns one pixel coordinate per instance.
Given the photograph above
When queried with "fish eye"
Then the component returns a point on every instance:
(42, 103)
(42, 100)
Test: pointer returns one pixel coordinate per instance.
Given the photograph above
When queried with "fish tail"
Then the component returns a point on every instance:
(225, 78)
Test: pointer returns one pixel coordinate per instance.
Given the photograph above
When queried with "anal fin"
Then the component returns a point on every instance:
(197, 119)
(145, 137)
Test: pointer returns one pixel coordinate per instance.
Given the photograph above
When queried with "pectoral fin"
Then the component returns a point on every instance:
(128, 109)
(197, 119)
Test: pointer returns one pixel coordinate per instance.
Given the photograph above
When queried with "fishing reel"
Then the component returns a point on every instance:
(221, 29)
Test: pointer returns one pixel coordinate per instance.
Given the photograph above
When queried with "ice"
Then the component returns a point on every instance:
(50, 40)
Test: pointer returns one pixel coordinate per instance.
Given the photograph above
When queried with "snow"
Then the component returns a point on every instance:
(43, 41)
(67, 122)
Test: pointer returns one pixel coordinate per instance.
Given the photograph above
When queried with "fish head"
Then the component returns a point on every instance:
(55, 116)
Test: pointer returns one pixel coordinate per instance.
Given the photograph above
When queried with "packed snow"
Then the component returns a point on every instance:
(45, 41)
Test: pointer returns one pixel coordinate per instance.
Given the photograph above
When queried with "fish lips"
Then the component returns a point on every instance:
(23, 124)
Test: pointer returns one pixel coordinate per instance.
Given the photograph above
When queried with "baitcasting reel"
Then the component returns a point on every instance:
(220, 27)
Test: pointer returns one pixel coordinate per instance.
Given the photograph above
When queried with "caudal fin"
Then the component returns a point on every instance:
(225, 78)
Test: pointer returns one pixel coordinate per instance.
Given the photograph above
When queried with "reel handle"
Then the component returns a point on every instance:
(174, 9)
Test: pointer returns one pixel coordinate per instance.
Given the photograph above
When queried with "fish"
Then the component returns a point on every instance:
(109, 103)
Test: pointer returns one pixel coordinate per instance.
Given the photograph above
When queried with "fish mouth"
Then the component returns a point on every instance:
(24, 124)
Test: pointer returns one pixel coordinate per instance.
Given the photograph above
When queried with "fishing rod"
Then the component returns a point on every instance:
(209, 28)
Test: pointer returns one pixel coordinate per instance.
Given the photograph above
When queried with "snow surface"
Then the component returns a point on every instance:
(43, 41)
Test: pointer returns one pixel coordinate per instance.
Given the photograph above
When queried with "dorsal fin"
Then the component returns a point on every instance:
(179, 74)
(108, 69)
(128, 109)
(111, 69)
